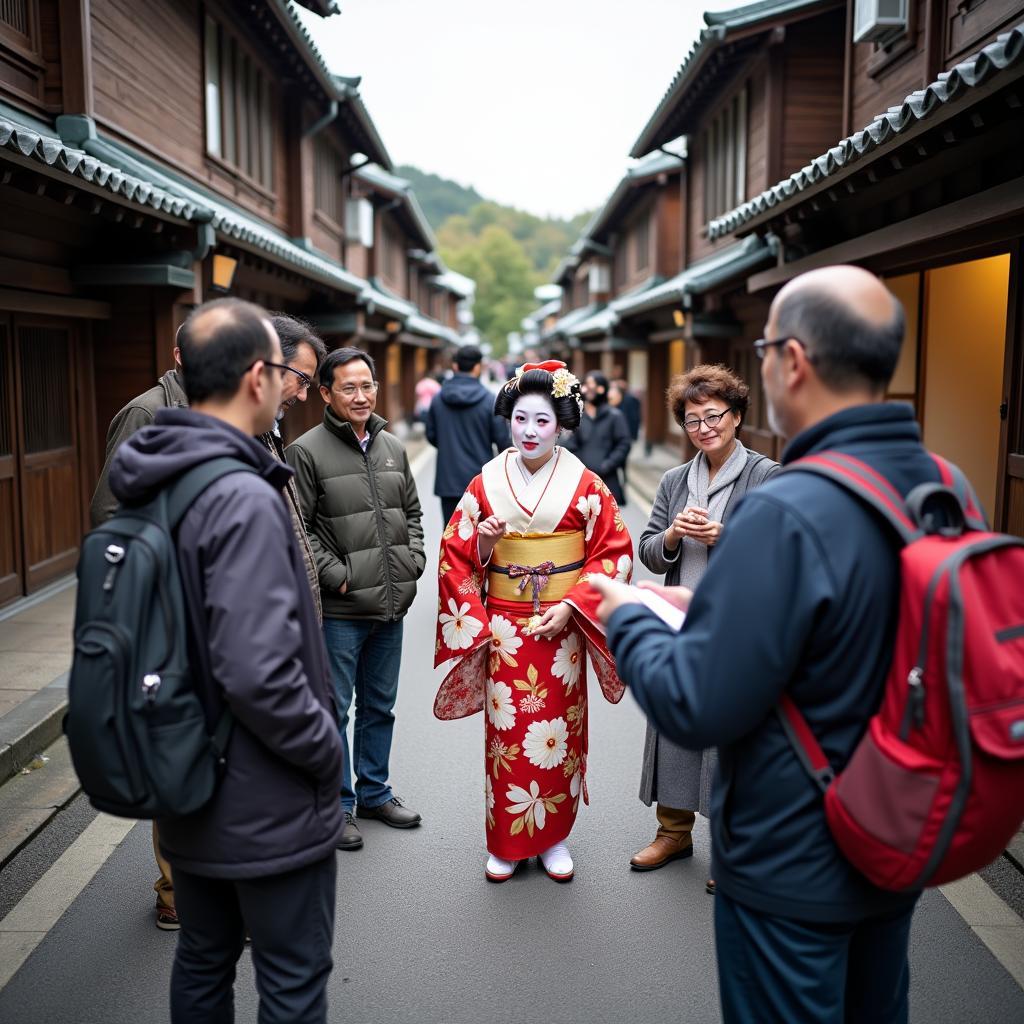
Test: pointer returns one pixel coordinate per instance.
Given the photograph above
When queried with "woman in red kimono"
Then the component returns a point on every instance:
(517, 612)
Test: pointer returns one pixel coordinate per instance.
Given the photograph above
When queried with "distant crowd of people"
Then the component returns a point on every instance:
(300, 573)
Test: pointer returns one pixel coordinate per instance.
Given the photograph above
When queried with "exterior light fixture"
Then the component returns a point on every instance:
(678, 318)
(393, 326)
(223, 273)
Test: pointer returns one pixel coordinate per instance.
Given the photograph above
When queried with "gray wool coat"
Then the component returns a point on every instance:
(684, 775)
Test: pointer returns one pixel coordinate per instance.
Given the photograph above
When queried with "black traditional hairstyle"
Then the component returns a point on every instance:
(539, 382)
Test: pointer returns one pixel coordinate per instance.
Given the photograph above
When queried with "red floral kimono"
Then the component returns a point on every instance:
(563, 527)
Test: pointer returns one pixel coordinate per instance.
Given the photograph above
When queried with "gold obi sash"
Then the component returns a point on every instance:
(535, 566)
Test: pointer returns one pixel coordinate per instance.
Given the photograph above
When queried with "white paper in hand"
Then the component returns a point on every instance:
(667, 612)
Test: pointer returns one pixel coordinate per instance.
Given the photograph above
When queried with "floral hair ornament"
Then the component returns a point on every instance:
(563, 382)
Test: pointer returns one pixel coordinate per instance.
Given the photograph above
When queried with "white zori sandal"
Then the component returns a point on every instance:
(557, 862)
(499, 870)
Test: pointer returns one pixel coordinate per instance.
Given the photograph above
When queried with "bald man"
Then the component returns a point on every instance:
(800, 598)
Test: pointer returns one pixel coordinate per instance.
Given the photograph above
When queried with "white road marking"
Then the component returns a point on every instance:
(44, 904)
(998, 927)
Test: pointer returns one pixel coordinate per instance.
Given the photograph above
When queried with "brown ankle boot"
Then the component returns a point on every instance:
(662, 851)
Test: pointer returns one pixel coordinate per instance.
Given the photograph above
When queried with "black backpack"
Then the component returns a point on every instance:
(136, 728)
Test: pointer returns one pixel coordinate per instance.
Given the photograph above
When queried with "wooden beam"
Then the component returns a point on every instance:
(995, 205)
(76, 56)
(16, 301)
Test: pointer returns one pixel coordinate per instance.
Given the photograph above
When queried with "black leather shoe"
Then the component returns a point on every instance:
(392, 813)
(351, 837)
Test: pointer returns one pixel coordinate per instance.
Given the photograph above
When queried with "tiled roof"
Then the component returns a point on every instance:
(52, 152)
(384, 180)
(698, 277)
(951, 87)
(430, 328)
(719, 25)
(231, 222)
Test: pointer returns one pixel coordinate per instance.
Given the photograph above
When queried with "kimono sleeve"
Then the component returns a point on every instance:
(608, 552)
(462, 623)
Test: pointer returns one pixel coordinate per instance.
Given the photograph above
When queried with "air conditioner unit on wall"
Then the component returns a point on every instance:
(875, 19)
(359, 221)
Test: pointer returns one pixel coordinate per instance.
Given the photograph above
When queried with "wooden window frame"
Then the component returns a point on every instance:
(324, 217)
(251, 105)
(724, 145)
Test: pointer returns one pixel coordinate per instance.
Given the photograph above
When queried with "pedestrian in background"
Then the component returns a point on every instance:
(628, 405)
(800, 599)
(260, 855)
(693, 503)
(167, 393)
(362, 513)
(602, 441)
(462, 426)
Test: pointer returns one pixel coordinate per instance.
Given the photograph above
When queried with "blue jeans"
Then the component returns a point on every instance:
(365, 657)
(777, 969)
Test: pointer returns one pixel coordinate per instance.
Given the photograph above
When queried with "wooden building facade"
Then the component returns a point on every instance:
(144, 150)
(789, 166)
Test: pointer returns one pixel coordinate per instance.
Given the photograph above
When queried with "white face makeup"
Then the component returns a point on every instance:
(534, 427)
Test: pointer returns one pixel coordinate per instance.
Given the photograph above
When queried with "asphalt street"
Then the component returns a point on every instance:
(422, 937)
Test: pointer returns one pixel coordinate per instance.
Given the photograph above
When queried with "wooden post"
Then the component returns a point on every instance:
(655, 412)
(76, 56)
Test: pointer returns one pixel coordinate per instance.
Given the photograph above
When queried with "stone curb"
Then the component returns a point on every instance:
(32, 726)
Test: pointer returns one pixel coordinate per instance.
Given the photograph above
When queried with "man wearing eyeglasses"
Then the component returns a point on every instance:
(362, 513)
(302, 352)
(800, 599)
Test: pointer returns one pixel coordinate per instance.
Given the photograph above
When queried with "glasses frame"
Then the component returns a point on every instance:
(305, 381)
(357, 387)
(704, 421)
(762, 345)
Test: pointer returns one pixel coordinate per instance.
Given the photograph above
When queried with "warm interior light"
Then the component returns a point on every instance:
(223, 272)
(678, 318)
(393, 326)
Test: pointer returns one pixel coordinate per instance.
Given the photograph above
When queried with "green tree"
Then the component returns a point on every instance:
(504, 279)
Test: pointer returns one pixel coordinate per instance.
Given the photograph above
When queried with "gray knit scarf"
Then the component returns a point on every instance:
(714, 496)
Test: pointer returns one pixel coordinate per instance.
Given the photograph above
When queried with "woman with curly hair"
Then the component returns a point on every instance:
(517, 613)
(690, 511)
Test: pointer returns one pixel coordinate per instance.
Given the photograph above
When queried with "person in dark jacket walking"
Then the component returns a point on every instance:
(462, 426)
(800, 598)
(602, 441)
(260, 855)
(362, 513)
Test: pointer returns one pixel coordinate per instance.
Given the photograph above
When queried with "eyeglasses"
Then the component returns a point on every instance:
(763, 344)
(691, 426)
(305, 381)
(349, 390)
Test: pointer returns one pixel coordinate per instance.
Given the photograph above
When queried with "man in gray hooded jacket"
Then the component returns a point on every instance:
(260, 855)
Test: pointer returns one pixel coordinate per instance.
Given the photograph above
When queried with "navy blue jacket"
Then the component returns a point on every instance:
(801, 596)
(256, 645)
(462, 426)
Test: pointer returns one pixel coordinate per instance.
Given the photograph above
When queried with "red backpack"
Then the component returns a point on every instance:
(935, 788)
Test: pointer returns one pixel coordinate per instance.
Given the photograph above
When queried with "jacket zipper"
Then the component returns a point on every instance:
(380, 533)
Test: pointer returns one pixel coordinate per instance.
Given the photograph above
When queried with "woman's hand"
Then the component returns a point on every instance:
(489, 532)
(697, 524)
(553, 621)
(676, 531)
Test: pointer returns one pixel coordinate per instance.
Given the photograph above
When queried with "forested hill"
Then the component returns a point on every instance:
(506, 251)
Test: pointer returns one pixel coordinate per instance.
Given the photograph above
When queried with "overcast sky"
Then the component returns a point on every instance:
(535, 103)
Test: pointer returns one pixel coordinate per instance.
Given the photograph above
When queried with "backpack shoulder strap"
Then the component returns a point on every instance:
(953, 478)
(805, 746)
(184, 491)
(866, 483)
(179, 498)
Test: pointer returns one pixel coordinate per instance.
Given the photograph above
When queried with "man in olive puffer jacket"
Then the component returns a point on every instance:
(362, 514)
